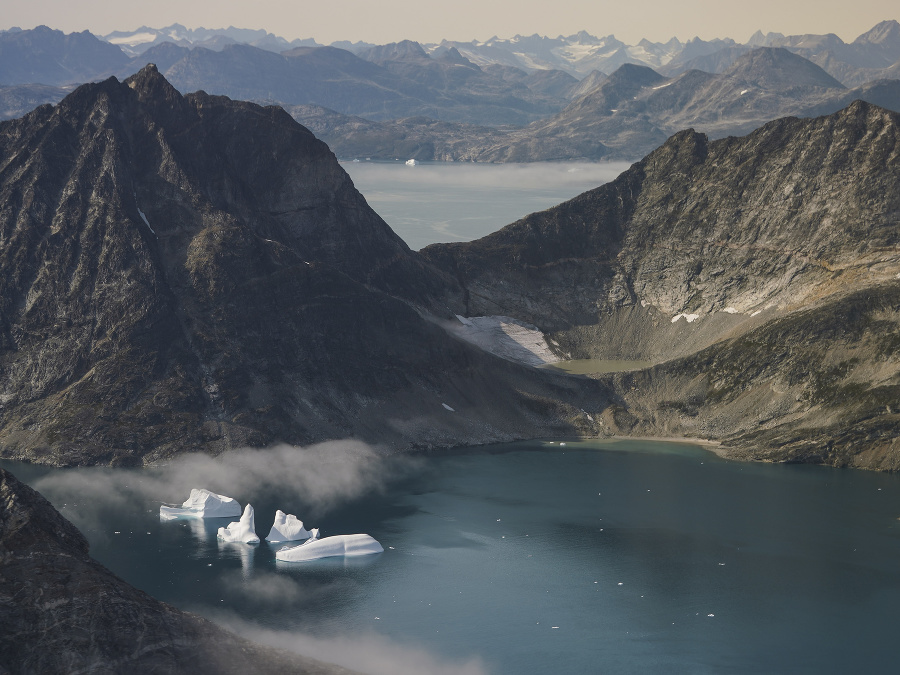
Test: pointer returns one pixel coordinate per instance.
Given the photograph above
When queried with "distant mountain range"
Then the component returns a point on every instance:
(623, 117)
(522, 99)
(580, 54)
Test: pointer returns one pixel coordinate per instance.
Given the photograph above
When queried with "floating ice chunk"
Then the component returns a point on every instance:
(339, 545)
(411, 162)
(287, 527)
(447, 407)
(243, 530)
(202, 504)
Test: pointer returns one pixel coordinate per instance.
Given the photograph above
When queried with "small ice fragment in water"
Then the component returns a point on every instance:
(620, 583)
(710, 615)
(448, 407)
(117, 533)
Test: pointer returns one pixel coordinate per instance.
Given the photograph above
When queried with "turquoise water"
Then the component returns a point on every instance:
(457, 201)
(592, 557)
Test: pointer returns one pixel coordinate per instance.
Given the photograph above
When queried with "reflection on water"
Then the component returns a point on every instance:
(455, 201)
(597, 366)
(599, 556)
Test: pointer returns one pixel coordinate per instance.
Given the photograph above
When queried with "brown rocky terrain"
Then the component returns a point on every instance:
(62, 612)
(760, 272)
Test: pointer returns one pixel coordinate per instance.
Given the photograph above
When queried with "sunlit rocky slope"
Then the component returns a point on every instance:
(761, 272)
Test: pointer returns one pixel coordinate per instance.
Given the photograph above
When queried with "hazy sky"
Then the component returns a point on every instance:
(382, 21)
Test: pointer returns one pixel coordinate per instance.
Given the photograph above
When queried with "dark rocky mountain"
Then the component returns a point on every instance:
(193, 273)
(62, 612)
(760, 272)
(51, 57)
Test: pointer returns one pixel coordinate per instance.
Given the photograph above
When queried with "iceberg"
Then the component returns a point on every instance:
(287, 527)
(338, 545)
(202, 504)
(242, 531)
(411, 162)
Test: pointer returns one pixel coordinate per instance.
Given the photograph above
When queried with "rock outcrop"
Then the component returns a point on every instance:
(62, 612)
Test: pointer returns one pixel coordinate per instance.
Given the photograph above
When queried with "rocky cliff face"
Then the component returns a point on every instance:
(194, 273)
(736, 245)
(62, 612)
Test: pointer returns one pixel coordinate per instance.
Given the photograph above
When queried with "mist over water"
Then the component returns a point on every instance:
(616, 556)
(456, 201)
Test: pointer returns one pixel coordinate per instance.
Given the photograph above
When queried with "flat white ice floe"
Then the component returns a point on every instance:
(329, 547)
(202, 504)
(287, 527)
(242, 531)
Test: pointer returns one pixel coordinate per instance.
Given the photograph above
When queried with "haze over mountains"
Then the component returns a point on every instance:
(523, 99)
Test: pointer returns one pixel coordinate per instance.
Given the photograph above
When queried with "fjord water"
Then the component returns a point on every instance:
(588, 557)
(456, 201)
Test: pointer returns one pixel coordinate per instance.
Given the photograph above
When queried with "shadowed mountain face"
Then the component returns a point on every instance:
(189, 272)
(62, 612)
(776, 253)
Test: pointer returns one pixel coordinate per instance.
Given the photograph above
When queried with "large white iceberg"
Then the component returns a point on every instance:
(202, 504)
(242, 531)
(339, 545)
(287, 527)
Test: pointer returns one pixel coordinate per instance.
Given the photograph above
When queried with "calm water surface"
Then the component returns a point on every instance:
(455, 201)
(592, 557)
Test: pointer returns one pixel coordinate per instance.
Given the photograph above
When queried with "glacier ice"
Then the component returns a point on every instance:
(338, 545)
(287, 527)
(244, 530)
(202, 504)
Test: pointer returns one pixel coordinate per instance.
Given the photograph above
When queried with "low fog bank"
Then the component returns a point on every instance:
(446, 202)
(325, 475)
(368, 653)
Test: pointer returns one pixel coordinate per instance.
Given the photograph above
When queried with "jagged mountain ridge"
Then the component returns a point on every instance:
(61, 611)
(704, 245)
(221, 284)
